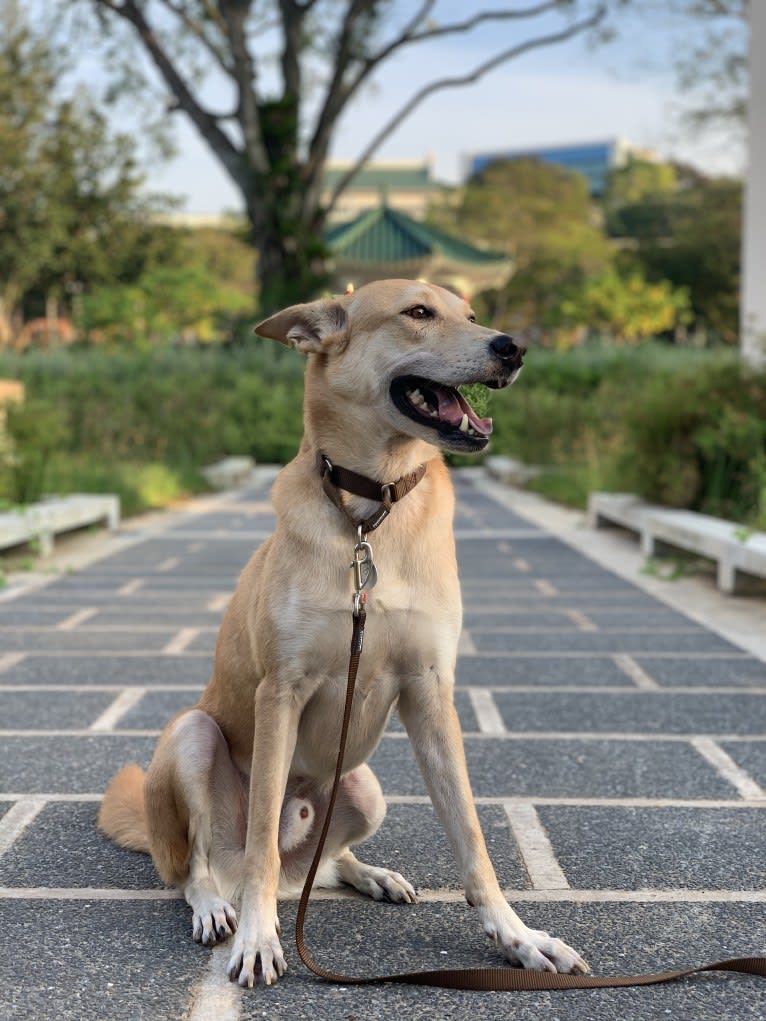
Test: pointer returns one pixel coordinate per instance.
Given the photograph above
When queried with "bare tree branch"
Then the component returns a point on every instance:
(338, 91)
(477, 19)
(234, 14)
(342, 95)
(293, 14)
(199, 33)
(205, 122)
(467, 79)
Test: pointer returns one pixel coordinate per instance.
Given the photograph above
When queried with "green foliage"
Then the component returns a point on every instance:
(33, 430)
(164, 304)
(180, 408)
(633, 184)
(72, 215)
(680, 427)
(628, 309)
(140, 485)
(692, 238)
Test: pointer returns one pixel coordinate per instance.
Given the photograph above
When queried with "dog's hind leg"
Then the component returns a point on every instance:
(196, 804)
(359, 811)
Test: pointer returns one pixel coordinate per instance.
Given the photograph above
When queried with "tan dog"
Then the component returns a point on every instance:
(232, 802)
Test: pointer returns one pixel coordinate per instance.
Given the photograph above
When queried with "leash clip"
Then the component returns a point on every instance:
(365, 572)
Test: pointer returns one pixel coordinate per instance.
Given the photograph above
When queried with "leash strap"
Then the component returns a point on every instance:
(336, 478)
(483, 979)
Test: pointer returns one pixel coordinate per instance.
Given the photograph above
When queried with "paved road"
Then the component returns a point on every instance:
(617, 750)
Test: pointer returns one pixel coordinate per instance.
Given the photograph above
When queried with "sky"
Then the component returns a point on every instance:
(566, 93)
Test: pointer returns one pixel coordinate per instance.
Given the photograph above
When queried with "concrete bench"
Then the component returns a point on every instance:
(230, 473)
(736, 550)
(41, 522)
(510, 471)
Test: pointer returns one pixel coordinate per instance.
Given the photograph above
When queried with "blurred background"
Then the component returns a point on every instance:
(173, 170)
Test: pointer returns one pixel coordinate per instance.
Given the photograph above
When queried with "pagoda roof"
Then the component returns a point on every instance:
(386, 235)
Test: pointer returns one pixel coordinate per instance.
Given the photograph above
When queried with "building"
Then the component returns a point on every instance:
(385, 242)
(593, 160)
(406, 185)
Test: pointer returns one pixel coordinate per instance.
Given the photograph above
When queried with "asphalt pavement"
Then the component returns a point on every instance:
(616, 745)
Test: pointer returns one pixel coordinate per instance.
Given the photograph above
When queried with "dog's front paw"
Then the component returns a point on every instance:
(256, 957)
(213, 921)
(533, 948)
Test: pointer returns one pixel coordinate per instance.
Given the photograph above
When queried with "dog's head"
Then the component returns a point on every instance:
(400, 349)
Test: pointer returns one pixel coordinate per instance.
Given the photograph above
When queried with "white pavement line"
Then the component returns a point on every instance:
(522, 565)
(561, 896)
(582, 736)
(181, 641)
(67, 797)
(112, 715)
(83, 893)
(11, 659)
(545, 587)
(219, 602)
(83, 689)
(727, 768)
(483, 799)
(487, 714)
(131, 586)
(16, 820)
(544, 871)
(215, 996)
(75, 619)
(168, 565)
(580, 620)
(636, 673)
(465, 646)
(588, 803)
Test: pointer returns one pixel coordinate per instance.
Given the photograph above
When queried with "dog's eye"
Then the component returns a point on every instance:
(471, 319)
(419, 312)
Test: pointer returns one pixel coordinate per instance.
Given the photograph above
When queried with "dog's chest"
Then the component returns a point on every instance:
(398, 647)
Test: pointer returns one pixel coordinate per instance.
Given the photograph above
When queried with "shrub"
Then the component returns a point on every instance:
(34, 430)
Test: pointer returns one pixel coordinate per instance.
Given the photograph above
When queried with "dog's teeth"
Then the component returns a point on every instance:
(464, 424)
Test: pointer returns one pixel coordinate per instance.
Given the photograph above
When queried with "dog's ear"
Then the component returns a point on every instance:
(312, 328)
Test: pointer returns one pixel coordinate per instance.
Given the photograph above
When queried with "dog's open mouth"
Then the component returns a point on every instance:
(442, 408)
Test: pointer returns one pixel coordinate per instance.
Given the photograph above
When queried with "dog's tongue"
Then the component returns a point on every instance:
(452, 407)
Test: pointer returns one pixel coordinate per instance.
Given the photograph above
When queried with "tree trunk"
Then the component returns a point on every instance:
(285, 229)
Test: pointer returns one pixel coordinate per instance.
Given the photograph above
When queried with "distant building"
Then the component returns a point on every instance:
(407, 185)
(593, 160)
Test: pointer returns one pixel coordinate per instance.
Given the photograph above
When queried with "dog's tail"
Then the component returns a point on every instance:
(122, 816)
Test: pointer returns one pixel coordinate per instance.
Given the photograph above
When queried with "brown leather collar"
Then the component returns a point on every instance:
(336, 478)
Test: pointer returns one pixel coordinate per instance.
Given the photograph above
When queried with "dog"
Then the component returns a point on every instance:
(233, 799)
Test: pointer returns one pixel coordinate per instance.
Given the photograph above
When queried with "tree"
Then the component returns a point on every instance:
(274, 139)
(625, 308)
(692, 237)
(70, 210)
(628, 187)
(542, 216)
(715, 65)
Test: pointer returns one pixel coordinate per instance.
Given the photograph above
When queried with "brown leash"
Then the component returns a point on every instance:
(507, 979)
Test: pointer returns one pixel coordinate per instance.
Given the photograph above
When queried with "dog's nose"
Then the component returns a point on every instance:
(506, 348)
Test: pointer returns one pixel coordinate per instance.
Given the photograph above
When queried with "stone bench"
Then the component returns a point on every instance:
(41, 522)
(230, 473)
(735, 549)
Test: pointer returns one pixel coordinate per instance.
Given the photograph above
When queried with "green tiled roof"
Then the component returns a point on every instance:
(384, 235)
(382, 178)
